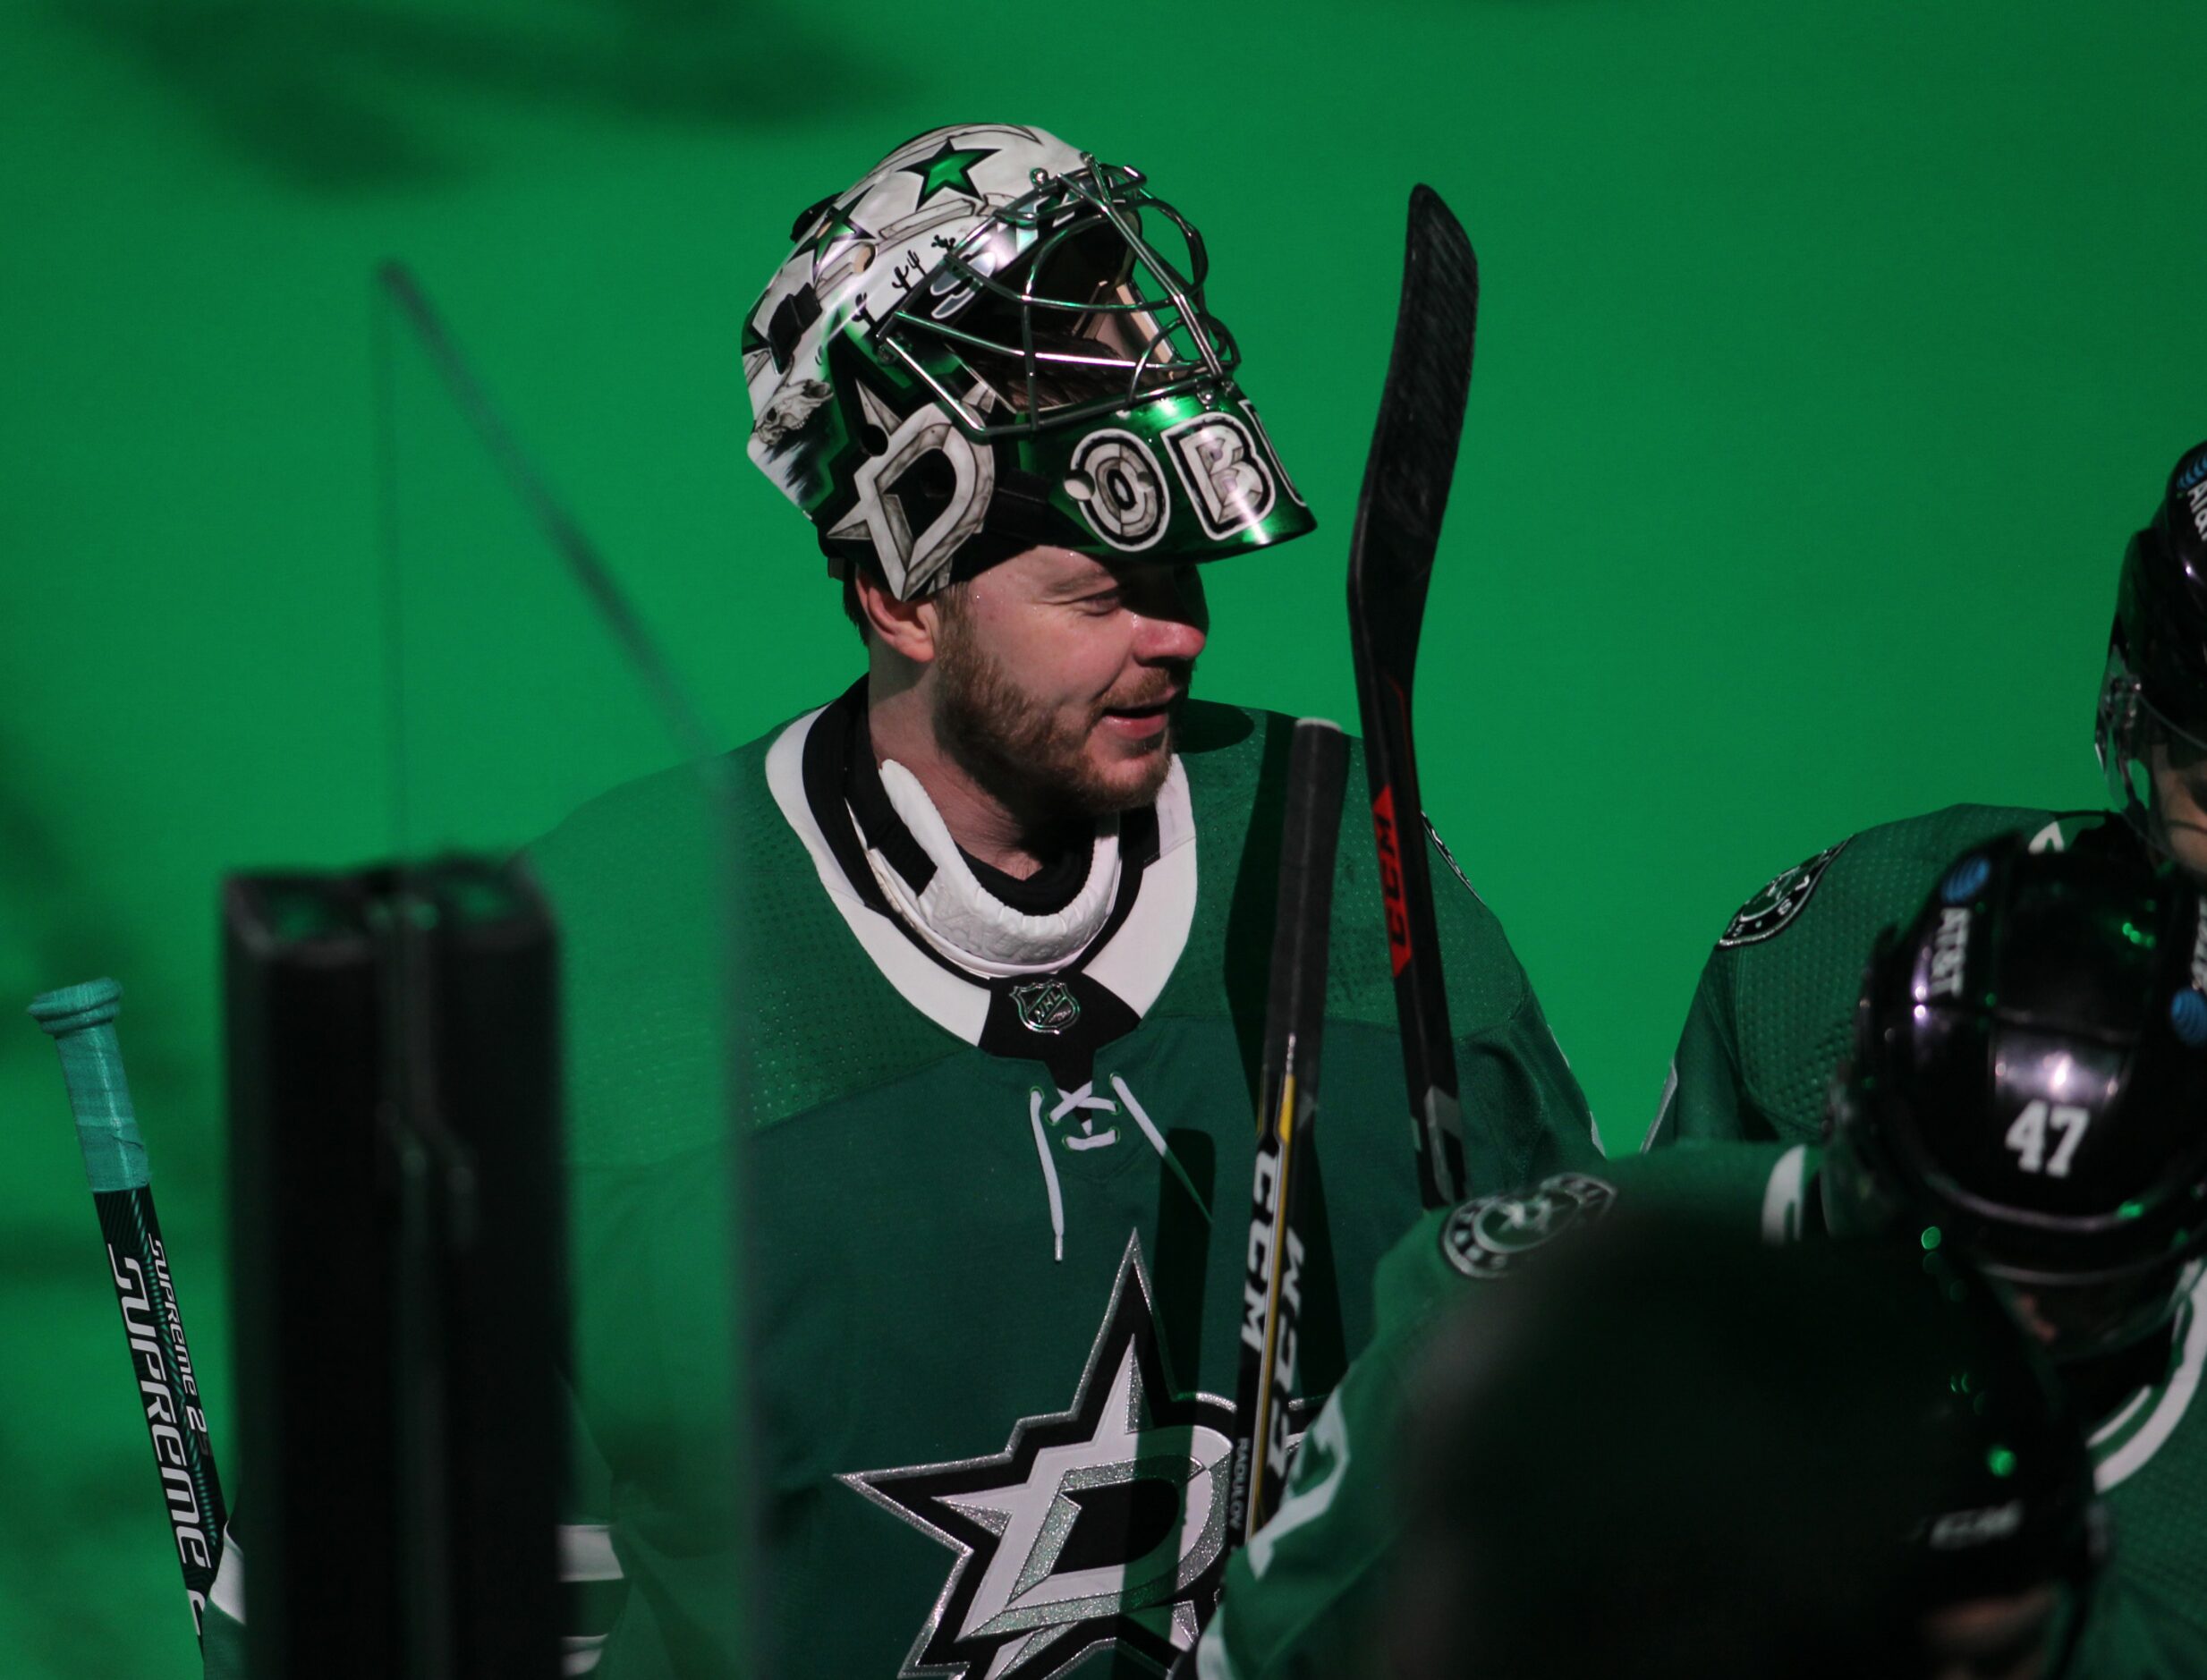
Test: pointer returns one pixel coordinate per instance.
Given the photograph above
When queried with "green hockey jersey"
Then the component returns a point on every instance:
(1771, 1017)
(994, 1227)
(1302, 1600)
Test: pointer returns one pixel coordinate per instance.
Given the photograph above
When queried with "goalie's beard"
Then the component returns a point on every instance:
(1034, 758)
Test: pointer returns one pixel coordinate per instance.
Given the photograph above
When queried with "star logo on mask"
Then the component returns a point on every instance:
(950, 170)
(837, 233)
(1101, 1526)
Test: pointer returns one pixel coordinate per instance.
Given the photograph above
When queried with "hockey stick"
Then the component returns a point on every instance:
(1294, 1018)
(1414, 454)
(82, 1021)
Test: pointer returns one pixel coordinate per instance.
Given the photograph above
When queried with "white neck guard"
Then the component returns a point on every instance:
(963, 919)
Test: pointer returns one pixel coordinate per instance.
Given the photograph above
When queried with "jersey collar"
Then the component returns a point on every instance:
(1109, 982)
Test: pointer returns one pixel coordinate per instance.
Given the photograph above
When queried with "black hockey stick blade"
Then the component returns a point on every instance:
(1398, 519)
(1318, 770)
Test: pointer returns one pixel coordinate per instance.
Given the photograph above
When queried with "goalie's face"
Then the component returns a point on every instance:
(1057, 675)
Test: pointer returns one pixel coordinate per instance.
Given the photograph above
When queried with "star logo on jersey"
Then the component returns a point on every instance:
(950, 170)
(1484, 1238)
(1100, 1526)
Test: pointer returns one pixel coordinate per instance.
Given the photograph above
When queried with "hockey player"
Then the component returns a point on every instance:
(1004, 904)
(1770, 1016)
(2026, 1092)
(2027, 1088)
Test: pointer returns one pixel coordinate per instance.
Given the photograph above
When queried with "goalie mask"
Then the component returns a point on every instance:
(993, 341)
(2028, 1086)
(2153, 700)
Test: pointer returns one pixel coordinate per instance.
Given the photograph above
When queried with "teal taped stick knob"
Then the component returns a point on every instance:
(82, 1021)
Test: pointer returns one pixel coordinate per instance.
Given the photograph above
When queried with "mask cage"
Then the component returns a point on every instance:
(1060, 307)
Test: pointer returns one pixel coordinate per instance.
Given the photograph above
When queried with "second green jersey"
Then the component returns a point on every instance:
(1771, 1017)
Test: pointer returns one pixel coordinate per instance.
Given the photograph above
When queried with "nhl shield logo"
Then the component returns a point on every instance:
(1046, 1005)
(1484, 1238)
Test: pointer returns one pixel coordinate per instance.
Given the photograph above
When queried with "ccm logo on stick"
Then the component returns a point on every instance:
(1391, 878)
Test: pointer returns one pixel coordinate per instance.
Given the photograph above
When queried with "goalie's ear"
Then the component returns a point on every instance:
(908, 628)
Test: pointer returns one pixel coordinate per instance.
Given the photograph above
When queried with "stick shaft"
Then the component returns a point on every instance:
(1295, 1023)
(82, 1021)
(1391, 552)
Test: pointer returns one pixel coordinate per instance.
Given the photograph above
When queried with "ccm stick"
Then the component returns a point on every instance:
(82, 1021)
(1398, 516)
(1317, 769)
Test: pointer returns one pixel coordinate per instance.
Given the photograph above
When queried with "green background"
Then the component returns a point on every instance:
(1828, 353)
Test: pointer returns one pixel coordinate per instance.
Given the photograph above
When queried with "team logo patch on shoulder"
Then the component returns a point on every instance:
(1483, 1238)
(1778, 902)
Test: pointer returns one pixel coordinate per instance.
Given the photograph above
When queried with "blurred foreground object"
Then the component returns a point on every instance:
(399, 1269)
(405, 1178)
(1598, 1397)
(524, 685)
(1672, 1450)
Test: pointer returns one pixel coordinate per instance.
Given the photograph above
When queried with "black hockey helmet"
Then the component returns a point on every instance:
(2028, 1085)
(1867, 1415)
(2155, 689)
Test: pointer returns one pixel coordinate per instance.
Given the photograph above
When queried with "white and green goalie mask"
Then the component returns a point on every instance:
(993, 341)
